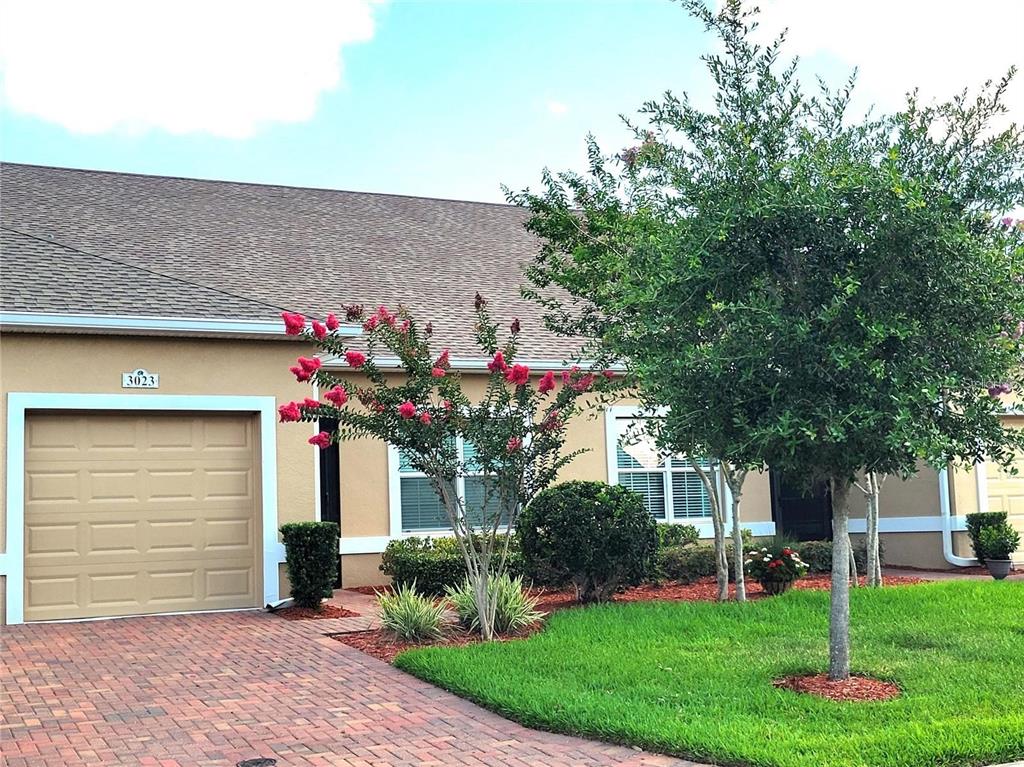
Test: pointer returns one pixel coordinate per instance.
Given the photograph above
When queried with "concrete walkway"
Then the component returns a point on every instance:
(947, 575)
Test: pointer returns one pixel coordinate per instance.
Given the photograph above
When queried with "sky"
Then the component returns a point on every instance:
(439, 98)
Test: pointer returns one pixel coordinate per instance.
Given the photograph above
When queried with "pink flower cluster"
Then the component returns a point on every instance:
(293, 323)
(998, 390)
(547, 383)
(498, 364)
(321, 440)
(336, 396)
(576, 380)
(518, 375)
(305, 368)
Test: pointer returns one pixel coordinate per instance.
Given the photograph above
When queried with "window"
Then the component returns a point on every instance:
(671, 489)
(419, 507)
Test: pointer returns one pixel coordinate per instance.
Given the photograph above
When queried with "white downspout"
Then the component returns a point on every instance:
(947, 524)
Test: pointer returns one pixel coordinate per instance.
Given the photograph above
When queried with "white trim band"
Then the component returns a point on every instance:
(171, 325)
(927, 524)
(12, 562)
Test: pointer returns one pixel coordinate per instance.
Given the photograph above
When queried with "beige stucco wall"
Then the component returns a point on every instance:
(93, 364)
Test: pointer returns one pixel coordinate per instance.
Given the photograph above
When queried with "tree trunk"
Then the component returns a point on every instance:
(874, 561)
(854, 578)
(839, 617)
(718, 522)
(735, 481)
(476, 553)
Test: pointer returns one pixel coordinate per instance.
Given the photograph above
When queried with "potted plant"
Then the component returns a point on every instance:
(997, 543)
(775, 569)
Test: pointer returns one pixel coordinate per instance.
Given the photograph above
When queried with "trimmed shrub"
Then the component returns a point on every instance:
(818, 555)
(311, 554)
(687, 564)
(410, 615)
(597, 536)
(976, 522)
(434, 564)
(514, 608)
(998, 542)
(676, 535)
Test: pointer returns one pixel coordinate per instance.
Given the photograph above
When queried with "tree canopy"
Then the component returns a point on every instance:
(803, 288)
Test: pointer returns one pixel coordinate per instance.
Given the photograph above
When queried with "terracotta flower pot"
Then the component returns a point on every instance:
(774, 588)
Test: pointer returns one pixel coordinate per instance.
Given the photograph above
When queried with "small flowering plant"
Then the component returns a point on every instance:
(770, 564)
(517, 427)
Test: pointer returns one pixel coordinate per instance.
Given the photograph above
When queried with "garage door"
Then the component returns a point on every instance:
(127, 514)
(1006, 490)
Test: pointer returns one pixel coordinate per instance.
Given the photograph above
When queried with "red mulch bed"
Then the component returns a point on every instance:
(381, 644)
(309, 614)
(856, 688)
(368, 590)
(704, 590)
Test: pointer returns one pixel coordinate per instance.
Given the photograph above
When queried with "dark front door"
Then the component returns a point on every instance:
(330, 482)
(800, 512)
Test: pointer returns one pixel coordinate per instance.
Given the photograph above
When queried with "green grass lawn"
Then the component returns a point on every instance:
(694, 679)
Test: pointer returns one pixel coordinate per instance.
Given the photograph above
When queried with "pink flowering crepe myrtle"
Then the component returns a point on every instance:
(516, 425)
(426, 408)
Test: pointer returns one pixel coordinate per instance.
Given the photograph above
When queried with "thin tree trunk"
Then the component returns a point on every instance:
(839, 616)
(854, 577)
(874, 560)
(734, 479)
(718, 522)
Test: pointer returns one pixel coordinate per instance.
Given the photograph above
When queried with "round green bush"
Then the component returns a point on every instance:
(596, 536)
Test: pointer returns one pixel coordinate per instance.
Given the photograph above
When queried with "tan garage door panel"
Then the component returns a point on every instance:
(1006, 490)
(139, 513)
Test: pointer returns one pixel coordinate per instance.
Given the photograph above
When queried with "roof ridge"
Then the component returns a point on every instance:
(231, 182)
(174, 278)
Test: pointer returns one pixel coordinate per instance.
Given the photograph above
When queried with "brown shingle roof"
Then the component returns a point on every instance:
(242, 250)
(41, 276)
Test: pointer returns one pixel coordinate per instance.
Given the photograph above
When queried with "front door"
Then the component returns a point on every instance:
(330, 482)
(802, 513)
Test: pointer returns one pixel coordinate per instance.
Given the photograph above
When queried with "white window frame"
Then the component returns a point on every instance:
(395, 477)
(617, 413)
(12, 560)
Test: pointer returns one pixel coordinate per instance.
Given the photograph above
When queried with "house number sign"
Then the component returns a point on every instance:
(140, 379)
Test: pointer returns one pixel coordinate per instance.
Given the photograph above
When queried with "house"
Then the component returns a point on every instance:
(143, 359)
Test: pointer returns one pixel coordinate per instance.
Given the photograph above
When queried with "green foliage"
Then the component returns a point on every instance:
(514, 609)
(841, 292)
(515, 429)
(597, 536)
(818, 555)
(998, 541)
(976, 522)
(775, 564)
(434, 564)
(410, 615)
(688, 564)
(311, 555)
(676, 535)
(693, 679)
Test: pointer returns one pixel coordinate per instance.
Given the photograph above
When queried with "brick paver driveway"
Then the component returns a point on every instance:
(219, 688)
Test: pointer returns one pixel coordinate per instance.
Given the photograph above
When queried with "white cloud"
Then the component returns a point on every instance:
(188, 66)
(557, 107)
(939, 46)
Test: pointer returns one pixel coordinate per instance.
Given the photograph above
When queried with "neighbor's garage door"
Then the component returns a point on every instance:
(1006, 490)
(132, 513)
